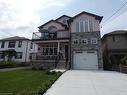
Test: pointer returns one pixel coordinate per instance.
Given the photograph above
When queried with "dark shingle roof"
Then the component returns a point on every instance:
(96, 16)
(51, 21)
(117, 32)
(14, 38)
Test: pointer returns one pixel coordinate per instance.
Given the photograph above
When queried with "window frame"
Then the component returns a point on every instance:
(76, 41)
(31, 45)
(2, 44)
(19, 44)
(11, 44)
(50, 51)
(94, 41)
(85, 26)
(19, 56)
(86, 40)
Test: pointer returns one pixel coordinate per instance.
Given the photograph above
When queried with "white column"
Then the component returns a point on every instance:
(58, 47)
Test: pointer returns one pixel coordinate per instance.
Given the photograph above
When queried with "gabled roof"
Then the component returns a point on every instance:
(96, 16)
(14, 38)
(63, 16)
(50, 22)
(118, 32)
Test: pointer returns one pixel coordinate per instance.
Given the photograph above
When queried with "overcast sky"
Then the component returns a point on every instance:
(22, 17)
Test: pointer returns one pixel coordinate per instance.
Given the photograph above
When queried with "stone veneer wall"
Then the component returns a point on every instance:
(82, 47)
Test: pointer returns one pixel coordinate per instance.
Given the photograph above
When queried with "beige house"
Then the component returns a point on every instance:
(70, 42)
(114, 45)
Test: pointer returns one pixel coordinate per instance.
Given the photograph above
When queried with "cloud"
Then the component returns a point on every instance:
(21, 17)
(118, 23)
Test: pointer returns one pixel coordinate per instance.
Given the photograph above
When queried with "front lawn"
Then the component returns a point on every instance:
(25, 82)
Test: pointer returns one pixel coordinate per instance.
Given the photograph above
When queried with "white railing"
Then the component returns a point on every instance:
(60, 34)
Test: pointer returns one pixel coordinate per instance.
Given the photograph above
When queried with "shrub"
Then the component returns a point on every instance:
(124, 60)
(7, 64)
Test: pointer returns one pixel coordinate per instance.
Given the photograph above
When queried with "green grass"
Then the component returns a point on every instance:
(25, 82)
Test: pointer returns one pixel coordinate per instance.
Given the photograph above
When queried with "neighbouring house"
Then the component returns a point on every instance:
(16, 49)
(114, 47)
(70, 42)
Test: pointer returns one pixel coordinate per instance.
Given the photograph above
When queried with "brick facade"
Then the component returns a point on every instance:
(86, 47)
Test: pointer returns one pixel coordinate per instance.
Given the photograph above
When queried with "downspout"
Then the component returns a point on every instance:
(70, 58)
(26, 51)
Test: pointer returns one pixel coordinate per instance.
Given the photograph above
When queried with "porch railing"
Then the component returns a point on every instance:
(39, 56)
(59, 34)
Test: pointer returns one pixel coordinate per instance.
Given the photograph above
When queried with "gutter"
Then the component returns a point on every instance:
(26, 52)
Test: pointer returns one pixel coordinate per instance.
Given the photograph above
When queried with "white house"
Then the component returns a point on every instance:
(17, 49)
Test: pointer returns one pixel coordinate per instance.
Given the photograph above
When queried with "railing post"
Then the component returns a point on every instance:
(58, 47)
(120, 66)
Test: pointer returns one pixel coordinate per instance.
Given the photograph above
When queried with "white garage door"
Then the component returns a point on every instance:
(85, 60)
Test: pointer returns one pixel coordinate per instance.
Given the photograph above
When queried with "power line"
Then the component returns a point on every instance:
(115, 13)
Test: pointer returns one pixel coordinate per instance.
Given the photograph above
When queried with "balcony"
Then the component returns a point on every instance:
(50, 35)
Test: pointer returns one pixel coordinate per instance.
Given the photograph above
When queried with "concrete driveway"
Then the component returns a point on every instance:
(90, 83)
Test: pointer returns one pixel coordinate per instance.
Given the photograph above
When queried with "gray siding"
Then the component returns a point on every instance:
(119, 42)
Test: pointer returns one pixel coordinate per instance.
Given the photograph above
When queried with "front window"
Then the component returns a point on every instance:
(11, 44)
(75, 41)
(94, 41)
(1, 55)
(84, 26)
(84, 41)
(18, 55)
(49, 51)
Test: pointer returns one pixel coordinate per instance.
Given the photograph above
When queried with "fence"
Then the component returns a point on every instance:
(119, 68)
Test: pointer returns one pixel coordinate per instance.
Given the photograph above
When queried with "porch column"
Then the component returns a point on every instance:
(58, 47)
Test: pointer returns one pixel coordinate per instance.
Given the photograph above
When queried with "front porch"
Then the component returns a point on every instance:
(52, 54)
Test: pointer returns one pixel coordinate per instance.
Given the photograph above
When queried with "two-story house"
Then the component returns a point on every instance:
(114, 47)
(16, 49)
(73, 42)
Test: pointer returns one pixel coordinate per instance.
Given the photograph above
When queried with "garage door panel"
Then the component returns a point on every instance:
(85, 61)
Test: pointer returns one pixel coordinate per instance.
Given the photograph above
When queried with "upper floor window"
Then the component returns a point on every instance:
(11, 44)
(2, 44)
(52, 28)
(64, 21)
(84, 26)
(20, 44)
(31, 45)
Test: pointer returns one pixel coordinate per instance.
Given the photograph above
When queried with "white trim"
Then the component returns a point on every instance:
(86, 40)
(75, 40)
(58, 47)
(51, 41)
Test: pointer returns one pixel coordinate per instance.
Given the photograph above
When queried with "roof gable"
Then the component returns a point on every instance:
(62, 17)
(96, 16)
(14, 38)
(50, 22)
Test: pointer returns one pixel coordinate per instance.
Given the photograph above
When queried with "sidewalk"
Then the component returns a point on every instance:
(11, 69)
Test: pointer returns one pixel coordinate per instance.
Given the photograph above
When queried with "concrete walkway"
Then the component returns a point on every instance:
(90, 83)
(11, 69)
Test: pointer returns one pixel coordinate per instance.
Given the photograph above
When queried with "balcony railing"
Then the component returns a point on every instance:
(50, 35)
